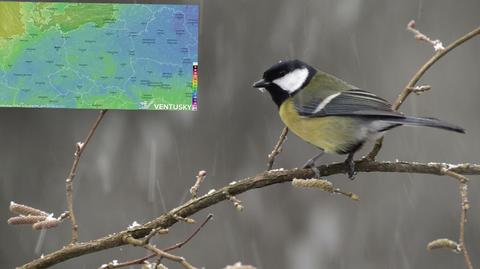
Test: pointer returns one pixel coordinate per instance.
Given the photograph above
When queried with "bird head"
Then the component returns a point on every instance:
(284, 79)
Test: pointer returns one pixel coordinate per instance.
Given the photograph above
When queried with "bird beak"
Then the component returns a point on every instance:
(261, 84)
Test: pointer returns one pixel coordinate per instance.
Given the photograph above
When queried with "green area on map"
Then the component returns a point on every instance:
(102, 56)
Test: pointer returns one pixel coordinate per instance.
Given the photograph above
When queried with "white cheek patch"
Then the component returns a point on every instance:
(292, 81)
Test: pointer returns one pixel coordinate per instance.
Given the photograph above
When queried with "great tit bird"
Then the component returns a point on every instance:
(331, 114)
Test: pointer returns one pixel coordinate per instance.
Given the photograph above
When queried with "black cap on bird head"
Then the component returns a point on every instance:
(285, 78)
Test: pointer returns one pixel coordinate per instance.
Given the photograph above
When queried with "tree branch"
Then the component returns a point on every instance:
(409, 88)
(168, 249)
(277, 149)
(158, 252)
(463, 188)
(79, 149)
(259, 181)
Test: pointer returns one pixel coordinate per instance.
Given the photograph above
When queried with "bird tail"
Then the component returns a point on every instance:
(429, 122)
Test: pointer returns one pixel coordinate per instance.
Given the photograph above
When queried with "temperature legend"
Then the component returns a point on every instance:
(194, 86)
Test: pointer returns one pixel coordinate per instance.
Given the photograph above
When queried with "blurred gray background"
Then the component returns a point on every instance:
(141, 163)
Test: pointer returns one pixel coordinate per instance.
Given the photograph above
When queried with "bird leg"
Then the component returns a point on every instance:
(311, 162)
(350, 164)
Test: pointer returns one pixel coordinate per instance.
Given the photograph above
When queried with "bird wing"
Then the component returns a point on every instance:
(353, 102)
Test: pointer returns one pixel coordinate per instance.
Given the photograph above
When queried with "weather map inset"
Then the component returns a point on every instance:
(99, 56)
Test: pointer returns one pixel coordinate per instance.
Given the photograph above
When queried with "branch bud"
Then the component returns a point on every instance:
(444, 243)
(25, 219)
(26, 210)
(322, 184)
(46, 224)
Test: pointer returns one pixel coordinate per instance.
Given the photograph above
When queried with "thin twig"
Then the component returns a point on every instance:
(463, 220)
(437, 44)
(463, 188)
(154, 232)
(184, 219)
(437, 56)
(277, 149)
(168, 249)
(158, 252)
(166, 255)
(408, 89)
(79, 149)
(200, 177)
(181, 244)
(235, 201)
(375, 150)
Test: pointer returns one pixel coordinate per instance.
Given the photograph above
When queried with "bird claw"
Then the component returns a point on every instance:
(351, 173)
(350, 165)
(316, 171)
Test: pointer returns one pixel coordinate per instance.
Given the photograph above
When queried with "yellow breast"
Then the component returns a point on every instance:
(332, 133)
